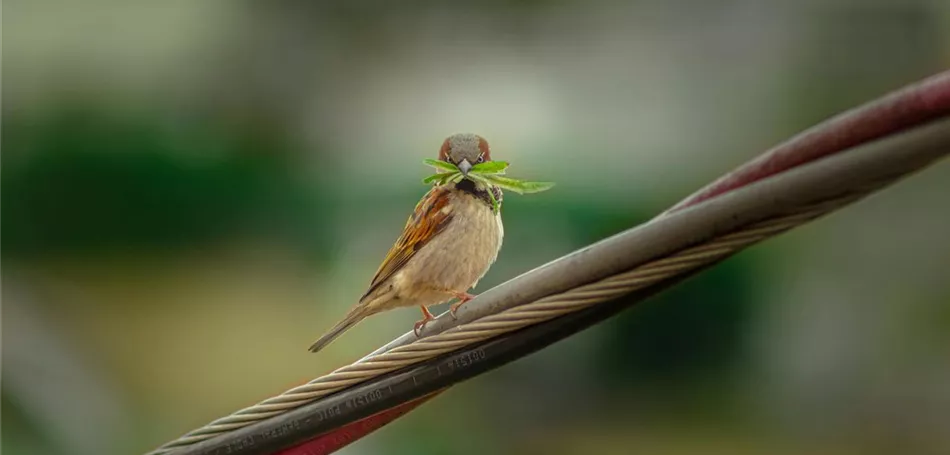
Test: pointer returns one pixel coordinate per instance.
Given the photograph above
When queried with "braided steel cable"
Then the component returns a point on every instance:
(799, 208)
(510, 320)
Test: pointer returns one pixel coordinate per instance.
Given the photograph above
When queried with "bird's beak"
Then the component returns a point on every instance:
(464, 166)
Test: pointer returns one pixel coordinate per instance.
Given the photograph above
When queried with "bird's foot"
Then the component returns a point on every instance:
(426, 317)
(463, 298)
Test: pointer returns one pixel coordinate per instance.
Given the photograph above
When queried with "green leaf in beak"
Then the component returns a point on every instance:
(518, 186)
(489, 167)
(488, 174)
(439, 164)
(441, 177)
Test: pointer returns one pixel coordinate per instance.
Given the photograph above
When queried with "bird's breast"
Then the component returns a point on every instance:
(476, 228)
(459, 256)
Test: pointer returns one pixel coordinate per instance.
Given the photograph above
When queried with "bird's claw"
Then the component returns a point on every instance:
(417, 328)
(426, 317)
(463, 298)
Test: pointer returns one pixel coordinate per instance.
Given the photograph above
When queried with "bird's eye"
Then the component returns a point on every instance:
(480, 159)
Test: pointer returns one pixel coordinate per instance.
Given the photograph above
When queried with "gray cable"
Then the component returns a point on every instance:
(633, 258)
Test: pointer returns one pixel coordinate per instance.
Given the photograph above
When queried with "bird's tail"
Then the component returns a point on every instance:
(356, 314)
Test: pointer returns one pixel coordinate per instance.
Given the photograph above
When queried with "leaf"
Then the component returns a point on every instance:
(536, 187)
(489, 167)
(518, 186)
(439, 164)
(439, 177)
(479, 178)
(488, 174)
(432, 178)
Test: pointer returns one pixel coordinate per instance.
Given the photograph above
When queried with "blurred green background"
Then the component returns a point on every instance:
(193, 191)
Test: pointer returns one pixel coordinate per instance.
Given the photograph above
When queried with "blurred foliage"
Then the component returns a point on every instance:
(688, 335)
(20, 434)
(83, 181)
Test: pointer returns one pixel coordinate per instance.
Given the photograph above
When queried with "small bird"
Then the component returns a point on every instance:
(446, 247)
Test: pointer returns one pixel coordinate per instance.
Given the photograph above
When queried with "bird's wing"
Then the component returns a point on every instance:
(428, 220)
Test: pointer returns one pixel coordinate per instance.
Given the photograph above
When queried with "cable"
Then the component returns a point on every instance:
(905, 108)
(911, 106)
(761, 210)
(389, 391)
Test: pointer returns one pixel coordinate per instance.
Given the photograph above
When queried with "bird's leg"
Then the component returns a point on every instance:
(460, 295)
(426, 317)
(463, 297)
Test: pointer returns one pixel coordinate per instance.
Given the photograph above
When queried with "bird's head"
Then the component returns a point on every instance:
(465, 150)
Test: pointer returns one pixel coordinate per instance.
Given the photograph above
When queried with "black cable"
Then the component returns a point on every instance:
(364, 400)
(862, 168)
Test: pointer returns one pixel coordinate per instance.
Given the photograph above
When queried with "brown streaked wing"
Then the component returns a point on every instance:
(426, 222)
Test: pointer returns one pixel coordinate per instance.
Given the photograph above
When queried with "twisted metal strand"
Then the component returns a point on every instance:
(543, 309)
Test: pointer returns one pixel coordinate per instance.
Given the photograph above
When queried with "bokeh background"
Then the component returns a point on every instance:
(192, 191)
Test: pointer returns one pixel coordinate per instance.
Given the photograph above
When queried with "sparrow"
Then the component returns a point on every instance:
(451, 239)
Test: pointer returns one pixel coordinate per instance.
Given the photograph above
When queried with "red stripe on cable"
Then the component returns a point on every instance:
(341, 437)
(905, 108)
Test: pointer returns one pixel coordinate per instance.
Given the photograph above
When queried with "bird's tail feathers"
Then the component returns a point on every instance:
(355, 315)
